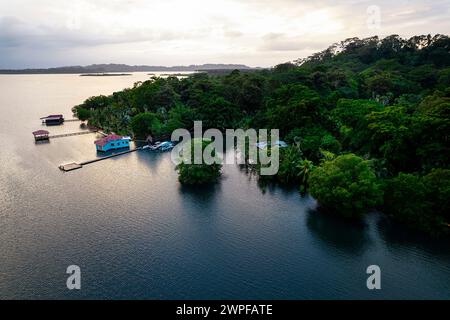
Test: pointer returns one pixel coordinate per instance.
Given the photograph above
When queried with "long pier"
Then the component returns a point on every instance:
(76, 166)
(70, 134)
(110, 156)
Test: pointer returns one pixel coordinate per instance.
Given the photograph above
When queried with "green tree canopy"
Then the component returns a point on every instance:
(420, 202)
(346, 185)
(198, 174)
(146, 123)
(83, 114)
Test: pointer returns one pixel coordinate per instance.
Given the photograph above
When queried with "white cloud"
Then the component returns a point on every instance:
(172, 32)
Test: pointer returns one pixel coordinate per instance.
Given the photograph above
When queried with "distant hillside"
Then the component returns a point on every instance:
(102, 68)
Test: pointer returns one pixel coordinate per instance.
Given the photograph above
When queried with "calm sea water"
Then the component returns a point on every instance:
(136, 233)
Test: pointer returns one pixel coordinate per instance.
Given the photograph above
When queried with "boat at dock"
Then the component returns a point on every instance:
(160, 146)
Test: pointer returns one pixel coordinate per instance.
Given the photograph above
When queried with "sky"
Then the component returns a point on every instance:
(51, 33)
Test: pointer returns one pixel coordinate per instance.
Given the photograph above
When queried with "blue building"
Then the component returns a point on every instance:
(112, 142)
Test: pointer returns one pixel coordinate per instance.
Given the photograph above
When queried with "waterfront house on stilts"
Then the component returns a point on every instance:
(41, 135)
(53, 120)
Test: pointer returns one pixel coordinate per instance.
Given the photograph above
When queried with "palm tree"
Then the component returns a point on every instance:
(304, 168)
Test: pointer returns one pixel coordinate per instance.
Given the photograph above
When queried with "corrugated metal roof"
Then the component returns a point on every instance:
(41, 133)
(53, 116)
(112, 137)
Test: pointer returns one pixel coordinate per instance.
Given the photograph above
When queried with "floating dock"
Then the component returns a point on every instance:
(70, 167)
(75, 166)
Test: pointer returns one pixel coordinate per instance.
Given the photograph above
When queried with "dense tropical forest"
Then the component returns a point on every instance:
(367, 121)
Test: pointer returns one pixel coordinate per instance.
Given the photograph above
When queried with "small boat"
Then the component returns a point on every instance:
(166, 146)
(278, 143)
(160, 146)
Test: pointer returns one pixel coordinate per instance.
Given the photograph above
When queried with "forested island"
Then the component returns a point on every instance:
(367, 120)
(124, 68)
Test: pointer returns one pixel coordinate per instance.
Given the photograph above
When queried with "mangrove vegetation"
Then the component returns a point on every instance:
(367, 121)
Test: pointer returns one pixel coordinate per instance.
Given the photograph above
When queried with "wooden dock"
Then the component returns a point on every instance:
(70, 134)
(75, 166)
(72, 120)
(110, 156)
(70, 167)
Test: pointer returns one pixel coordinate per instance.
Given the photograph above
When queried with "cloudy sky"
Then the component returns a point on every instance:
(48, 33)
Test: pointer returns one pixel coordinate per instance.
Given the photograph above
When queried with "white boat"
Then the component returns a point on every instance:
(166, 146)
(278, 143)
(160, 146)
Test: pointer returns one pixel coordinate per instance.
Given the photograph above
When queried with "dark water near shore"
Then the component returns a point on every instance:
(136, 233)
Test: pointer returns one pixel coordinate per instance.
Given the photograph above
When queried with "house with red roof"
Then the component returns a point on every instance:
(41, 135)
(112, 142)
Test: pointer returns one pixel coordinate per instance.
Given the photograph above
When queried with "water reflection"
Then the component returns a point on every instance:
(266, 184)
(334, 232)
(200, 194)
(150, 159)
(41, 142)
(200, 204)
(398, 236)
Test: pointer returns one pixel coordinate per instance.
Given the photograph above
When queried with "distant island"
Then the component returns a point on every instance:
(108, 68)
(173, 74)
(105, 74)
